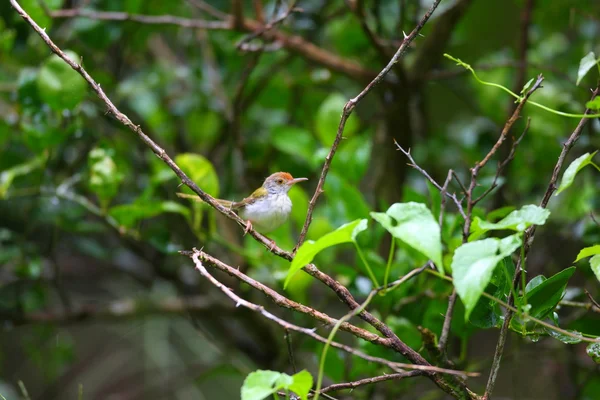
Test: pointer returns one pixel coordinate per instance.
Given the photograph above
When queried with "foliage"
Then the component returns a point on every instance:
(90, 221)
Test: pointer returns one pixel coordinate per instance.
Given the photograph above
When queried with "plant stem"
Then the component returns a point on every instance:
(364, 260)
(389, 264)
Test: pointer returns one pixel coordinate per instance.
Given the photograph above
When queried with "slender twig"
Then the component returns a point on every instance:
(347, 111)
(207, 8)
(594, 302)
(414, 165)
(368, 381)
(266, 28)
(503, 134)
(503, 164)
(144, 19)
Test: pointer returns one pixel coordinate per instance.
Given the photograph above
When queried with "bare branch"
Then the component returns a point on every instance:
(347, 111)
(368, 381)
(198, 255)
(265, 29)
(144, 19)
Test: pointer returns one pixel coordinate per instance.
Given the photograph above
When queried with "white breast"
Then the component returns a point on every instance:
(268, 214)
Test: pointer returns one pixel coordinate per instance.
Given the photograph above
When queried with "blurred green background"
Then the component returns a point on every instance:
(92, 291)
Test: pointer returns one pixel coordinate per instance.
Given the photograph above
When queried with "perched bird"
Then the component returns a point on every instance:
(268, 207)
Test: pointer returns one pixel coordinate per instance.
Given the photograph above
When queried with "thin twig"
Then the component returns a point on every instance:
(503, 164)
(368, 381)
(503, 134)
(144, 19)
(266, 28)
(594, 302)
(414, 165)
(347, 111)
(207, 8)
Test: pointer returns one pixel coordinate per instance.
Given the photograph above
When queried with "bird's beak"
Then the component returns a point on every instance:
(296, 180)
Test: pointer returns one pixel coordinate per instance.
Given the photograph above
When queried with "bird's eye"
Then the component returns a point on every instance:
(280, 181)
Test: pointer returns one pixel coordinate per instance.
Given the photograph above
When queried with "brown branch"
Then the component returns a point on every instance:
(347, 111)
(199, 256)
(126, 308)
(368, 381)
(237, 10)
(527, 242)
(284, 302)
(259, 11)
(144, 19)
(294, 43)
(594, 302)
(266, 28)
(503, 164)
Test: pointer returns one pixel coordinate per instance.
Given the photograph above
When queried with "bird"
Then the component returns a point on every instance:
(268, 207)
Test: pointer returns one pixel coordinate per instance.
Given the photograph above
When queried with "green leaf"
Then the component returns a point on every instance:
(573, 169)
(595, 265)
(538, 280)
(562, 337)
(309, 249)
(593, 104)
(544, 297)
(260, 384)
(473, 264)
(585, 65)
(129, 214)
(37, 13)
(302, 383)
(294, 141)
(59, 85)
(199, 170)
(105, 178)
(593, 350)
(518, 220)
(415, 225)
(8, 176)
(587, 252)
(328, 119)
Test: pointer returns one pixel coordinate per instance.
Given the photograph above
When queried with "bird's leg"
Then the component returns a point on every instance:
(248, 227)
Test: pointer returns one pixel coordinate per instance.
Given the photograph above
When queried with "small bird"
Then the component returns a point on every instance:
(268, 207)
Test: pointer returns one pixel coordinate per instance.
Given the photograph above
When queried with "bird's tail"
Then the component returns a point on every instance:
(224, 203)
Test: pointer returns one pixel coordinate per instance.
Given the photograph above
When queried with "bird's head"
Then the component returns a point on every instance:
(280, 182)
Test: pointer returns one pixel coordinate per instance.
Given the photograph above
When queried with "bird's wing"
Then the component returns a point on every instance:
(258, 193)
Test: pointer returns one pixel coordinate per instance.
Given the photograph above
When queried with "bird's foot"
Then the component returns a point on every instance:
(248, 227)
